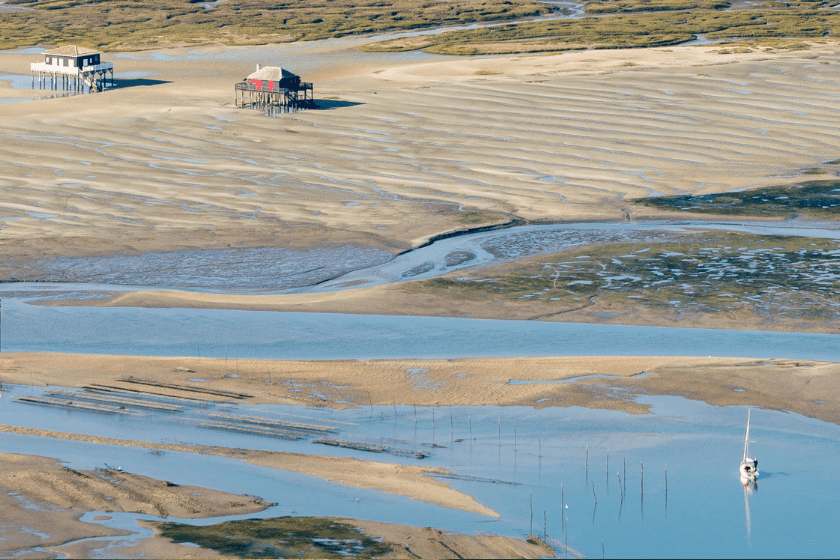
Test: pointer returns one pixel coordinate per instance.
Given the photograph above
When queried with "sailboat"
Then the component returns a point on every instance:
(749, 466)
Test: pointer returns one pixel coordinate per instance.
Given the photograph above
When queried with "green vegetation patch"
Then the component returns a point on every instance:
(279, 537)
(772, 276)
(628, 6)
(134, 24)
(813, 198)
(626, 30)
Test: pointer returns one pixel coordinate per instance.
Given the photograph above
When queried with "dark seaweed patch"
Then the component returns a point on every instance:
(279, 537)
(815, 198)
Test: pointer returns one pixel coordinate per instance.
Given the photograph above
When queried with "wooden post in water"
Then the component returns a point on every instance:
(587, 461)
(514, 437)
(451, 429)
(608, 466)
(531, 498)
(562, 511)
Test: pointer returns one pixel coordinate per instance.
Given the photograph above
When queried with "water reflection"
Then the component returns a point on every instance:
(750, 487)
(537, 469)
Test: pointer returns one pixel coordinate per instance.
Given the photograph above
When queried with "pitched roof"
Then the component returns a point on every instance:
(274, 73)
(71, 50)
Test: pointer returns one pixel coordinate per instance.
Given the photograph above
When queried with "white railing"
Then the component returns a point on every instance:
(44, 67)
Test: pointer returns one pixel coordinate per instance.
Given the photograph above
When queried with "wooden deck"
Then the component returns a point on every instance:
(274, 99)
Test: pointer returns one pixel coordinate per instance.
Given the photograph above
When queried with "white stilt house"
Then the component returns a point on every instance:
(72, 68)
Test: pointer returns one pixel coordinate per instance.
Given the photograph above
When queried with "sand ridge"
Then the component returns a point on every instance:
(405, 480)
(398, 158)
(791, 385)
(403, 299)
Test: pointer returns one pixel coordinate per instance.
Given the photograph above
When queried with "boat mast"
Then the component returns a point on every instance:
(747, 437)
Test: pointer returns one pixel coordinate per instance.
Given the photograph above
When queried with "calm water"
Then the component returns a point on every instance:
(707, 512)
(322, 336)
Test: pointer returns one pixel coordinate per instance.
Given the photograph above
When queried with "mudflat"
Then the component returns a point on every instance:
(408, 146)
(776, 384)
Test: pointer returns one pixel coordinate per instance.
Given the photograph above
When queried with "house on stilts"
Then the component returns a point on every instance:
(73, 68)
(274, 90)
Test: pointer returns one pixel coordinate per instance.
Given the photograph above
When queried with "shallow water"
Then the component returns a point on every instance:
(322, 336)
(270, 269)
(512, 457)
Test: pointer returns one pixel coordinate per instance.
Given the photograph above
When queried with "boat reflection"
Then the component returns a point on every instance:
(750, 488)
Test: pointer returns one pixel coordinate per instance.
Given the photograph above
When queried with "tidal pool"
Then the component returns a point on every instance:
(580, 476)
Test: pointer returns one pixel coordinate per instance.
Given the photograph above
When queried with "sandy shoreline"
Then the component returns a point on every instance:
(808, 388)
(38, 492)
(42, 502)
(777, 384)
(402, 299)
(412, 146)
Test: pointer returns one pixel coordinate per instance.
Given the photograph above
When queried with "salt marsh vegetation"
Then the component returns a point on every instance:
(132, 25)
(634, 25)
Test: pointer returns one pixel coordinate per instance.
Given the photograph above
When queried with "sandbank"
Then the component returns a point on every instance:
(777, 384)
(405, 480)
(413, 146)
(405, 299)
(39, 493)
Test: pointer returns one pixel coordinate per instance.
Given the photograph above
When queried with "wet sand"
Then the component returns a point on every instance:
(42, 501)
(405, 299)
(808, 388)
(775, 384)
(405, 480)
(413, 146)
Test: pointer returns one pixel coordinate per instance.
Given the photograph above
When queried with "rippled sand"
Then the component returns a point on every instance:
(168, 163)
